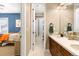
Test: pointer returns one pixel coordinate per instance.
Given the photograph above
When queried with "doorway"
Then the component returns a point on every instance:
(37, 25)
(37, 29)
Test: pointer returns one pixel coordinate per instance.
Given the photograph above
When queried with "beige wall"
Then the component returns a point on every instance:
(28, 27)
(59, 18)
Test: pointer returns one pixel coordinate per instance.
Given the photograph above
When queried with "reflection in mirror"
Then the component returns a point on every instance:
(51, 26)
(69, 27)
(60, 16)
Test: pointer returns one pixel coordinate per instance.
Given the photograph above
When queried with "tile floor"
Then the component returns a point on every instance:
(39, 49)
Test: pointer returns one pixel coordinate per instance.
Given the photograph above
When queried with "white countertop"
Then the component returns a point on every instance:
(66, 44)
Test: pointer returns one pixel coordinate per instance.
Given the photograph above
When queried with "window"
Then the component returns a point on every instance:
(3, 25)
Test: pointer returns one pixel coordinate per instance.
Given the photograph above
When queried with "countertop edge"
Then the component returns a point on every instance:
(69, 49)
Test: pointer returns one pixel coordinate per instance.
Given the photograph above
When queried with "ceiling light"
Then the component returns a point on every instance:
(64, 7)
(58, 7)
(62, 4)
(1, 5)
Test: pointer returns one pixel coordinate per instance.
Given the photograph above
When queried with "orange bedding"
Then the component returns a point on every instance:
(4, 37)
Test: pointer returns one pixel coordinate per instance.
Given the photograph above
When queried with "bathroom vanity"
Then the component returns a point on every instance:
(62, 46)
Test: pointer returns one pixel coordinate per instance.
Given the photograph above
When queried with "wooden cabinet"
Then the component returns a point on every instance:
(56, 49)
(16, 45)
(17, 48)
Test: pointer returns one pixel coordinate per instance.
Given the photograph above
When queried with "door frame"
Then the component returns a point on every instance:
(23, 30)
(44, 29)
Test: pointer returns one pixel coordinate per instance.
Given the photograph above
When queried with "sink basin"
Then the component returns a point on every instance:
(75, 46)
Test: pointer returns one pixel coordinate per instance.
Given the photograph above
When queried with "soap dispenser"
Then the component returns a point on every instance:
(69, 27)
(51, 28)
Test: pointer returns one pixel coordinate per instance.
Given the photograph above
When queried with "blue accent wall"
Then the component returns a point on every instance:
(12, 20)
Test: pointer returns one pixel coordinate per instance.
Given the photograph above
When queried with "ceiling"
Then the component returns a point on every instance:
(52, 5)
(39, 7)
(10, 7)
(55, 5)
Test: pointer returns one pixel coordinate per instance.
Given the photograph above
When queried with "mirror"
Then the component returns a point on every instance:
(76, 17)
(63, 16)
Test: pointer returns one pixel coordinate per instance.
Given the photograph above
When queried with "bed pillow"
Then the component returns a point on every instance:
(4, 37)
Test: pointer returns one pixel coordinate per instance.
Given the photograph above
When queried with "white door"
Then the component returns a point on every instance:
(33, 29)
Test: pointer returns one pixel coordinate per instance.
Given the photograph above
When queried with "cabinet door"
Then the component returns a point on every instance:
(17, 48)
(54, 48)
(65, 52)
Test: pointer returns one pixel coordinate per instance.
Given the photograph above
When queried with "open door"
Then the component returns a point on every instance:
(33, 28)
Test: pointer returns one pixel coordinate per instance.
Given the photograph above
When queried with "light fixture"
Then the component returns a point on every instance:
(67, 4)
(63, 5)
(58, 7)
(2, 6)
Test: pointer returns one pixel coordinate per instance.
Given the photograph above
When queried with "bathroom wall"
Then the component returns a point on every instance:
(59, 18)
(12, 17)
